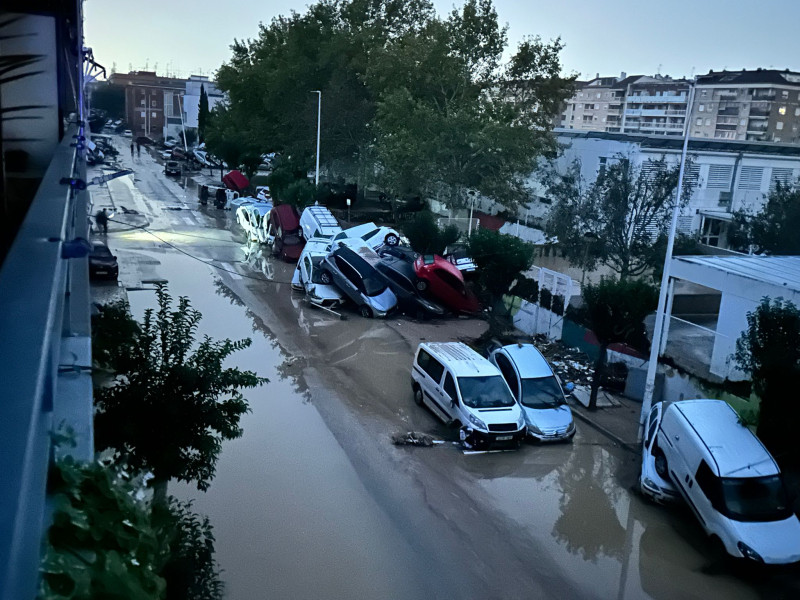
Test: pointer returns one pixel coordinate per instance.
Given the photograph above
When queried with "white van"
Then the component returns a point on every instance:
(729, 480)
(318, 221)
(462, 387)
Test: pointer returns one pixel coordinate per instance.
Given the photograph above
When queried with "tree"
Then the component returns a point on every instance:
(774, 229)
(202, 114)
(172, 402)
(768, 351)
(425, 236)
(615, 310)
(623, 212)
(500, 259)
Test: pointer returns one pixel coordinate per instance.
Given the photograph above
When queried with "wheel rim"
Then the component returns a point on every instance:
(325, 278)
(418, 395)
(391, 240)
(422, 285)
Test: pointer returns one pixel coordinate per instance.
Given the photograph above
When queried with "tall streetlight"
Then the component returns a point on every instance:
(655, 345)
(319, 117)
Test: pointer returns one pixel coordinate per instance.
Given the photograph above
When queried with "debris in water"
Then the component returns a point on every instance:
(412, 438)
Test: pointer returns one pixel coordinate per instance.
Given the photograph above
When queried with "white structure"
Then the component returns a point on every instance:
(188, 104)
(743, 281)
(729, 175)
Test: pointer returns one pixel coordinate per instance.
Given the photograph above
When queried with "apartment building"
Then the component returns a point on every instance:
(761, 106)
(596, 106)
(152, 102)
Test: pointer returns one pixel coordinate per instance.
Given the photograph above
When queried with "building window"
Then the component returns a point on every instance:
(699, 121)
(703, 93)
(785, 94)
(143, 114)
(782, 110)
(153, 114)
(598, 94)
(153, 103)
(712, 229)
(779, 125)
(708, 122)
(797, 112)
(701, 107)
(750, 178)
(776, 140)
(142, 102)
(719, 177)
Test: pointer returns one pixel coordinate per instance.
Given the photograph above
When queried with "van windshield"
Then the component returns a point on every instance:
(756, 498)
(541, 392)
(485, 392)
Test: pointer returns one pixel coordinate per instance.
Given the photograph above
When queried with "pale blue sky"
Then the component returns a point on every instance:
(677, 37)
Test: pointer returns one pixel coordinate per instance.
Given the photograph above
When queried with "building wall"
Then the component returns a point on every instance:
(146, 96)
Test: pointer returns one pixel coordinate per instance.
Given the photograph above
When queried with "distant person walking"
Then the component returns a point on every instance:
(101, 218)
(131, 149)
(138, 149)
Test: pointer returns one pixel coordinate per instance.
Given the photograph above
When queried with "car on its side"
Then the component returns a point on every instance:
(282, 232)
(250, 216)
(353, 271)
(102, 263)
(307, 275)
(537, 390)
(445, 283)
(172, 167)
(730, 481)
(263, 193)
(373, 235)
(400, 277)
(461, 387)
(654, 481)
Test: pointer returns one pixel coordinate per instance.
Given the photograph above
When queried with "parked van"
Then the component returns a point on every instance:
(729, 480)
(460, 386)
(318, 221)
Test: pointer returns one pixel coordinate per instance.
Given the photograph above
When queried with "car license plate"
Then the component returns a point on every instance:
(504, 438)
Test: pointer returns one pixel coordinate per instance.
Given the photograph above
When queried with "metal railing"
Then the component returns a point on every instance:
(45, 361)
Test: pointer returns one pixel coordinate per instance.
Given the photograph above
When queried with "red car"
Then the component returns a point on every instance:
(283, 232)
(445, 282)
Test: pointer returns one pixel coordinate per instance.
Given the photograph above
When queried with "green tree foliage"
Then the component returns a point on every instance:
(618, 219)
(500, 259)
(417, 103)
(425, 236)
(202, 114)
(229, 139)
(774, 230)
(173, 402)
(615, 310)
(769, 352)
(110, 98)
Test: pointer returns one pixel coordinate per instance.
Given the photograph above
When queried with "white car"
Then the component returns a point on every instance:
(537, 390)
(250, 217)
(654, 480)
(263, 193)
(375, 236)
(235, 203)
(307, 275)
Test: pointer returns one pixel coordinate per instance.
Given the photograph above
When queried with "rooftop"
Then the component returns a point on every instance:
(778, 271)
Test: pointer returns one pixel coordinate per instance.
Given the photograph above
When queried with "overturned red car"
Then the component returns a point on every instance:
(442, 280)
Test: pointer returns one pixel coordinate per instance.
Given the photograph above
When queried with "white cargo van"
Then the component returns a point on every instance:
(462, 387)
(729, 480)
(318, 221)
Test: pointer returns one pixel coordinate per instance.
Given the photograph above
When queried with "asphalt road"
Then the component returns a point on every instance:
(314, 501)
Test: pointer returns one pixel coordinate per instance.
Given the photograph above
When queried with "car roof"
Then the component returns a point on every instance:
(736, 450)
(359, 230)
(401, 266)
(328, 224)
(317, 247)
(462, 360)
(362, 259)
(529, 361)
(261, 208)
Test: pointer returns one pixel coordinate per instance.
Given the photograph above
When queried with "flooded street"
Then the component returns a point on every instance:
(314, 501)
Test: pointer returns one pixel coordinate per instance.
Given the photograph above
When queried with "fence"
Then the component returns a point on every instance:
(465, 225)
(546, 315)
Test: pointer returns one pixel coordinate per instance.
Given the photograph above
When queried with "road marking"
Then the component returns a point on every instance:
(231, 270)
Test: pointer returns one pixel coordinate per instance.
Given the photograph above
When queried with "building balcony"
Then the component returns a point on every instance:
(657, 99)
(731, 111)
(759, 113)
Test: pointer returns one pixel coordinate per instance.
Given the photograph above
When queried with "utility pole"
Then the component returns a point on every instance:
(319, 118)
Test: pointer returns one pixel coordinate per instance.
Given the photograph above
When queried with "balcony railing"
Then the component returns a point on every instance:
(656, 99)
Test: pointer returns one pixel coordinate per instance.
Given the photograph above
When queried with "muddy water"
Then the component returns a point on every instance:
(291, 518)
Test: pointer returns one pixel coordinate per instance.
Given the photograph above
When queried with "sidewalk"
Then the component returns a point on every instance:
(620, 422)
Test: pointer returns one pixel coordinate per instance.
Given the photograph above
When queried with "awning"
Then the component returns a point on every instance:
(720, 215)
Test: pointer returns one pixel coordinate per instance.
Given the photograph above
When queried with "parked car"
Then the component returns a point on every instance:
(102, 264)
(172, 167)
(373, 235)
(307, 275)
(283, 232)
(400, 277)
(404, 253)
(460, 386)
(353, 271)
(127, 133)
(318, 221)
(654, 481)
(537, 390)
(730, 481)
(445, 283)
(457, 255)
(263, 193)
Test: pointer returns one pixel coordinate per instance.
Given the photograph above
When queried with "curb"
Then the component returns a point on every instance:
(606, 432)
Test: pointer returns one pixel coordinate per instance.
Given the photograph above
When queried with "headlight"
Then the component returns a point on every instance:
(477, 422)
(650, 484)
(534, 429)
(748, 552)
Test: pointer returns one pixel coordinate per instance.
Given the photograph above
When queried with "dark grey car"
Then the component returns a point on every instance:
(353, 272)
(399, 274)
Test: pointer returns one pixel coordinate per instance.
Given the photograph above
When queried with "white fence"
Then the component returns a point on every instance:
(534, 319)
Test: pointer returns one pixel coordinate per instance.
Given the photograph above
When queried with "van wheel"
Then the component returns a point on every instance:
(324, 277)
(365, 311)
(417, 394)
(391, 240)
(662, 468)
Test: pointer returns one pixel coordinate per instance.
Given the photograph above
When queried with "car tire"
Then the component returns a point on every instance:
(660, 461)
(391, 239)
(422, 285)
(365, 311)
(325, 277)
(417, 394)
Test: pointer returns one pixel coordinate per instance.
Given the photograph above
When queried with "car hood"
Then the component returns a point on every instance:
(326, 292)
(547, 419)
(490, 416)
(777, 542)
(384, 302)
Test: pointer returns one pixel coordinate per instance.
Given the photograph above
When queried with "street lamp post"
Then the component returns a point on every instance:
(319, 118)
(348, 211)
(655, 345)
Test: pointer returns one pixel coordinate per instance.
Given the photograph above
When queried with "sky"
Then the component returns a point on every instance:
(640, 37)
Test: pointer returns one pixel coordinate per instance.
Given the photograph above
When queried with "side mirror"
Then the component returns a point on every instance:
(570, 387)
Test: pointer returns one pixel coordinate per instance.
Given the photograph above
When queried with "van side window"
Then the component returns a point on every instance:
(430, 365)
(450, 387)
(709, 483)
